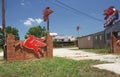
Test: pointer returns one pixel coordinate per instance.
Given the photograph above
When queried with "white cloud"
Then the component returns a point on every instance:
(27, 23)
(22, 4)
(31, 21)
(39, 20)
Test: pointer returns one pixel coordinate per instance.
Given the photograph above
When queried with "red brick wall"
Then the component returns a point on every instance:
(115, 47)
(49, 47)
(18, 53)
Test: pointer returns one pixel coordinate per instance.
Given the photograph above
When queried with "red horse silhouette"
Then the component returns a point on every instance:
(46, 13)
(111, 14)
(108, 12)
(33, 43)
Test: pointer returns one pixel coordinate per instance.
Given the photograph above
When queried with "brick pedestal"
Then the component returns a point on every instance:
(115, 47)
(49, 47)
(18, 53)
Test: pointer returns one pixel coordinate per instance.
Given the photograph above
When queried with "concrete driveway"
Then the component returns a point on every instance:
(82, 55)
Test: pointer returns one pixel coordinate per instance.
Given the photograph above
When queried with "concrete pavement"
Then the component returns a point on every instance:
(82, 55)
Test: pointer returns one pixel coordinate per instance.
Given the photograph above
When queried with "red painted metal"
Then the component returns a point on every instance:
(78, 28)
(46, 13)
(108, 12)
(111, 14)
(34, 43)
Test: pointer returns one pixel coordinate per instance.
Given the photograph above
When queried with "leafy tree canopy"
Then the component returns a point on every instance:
(9, 30)
(37, 31)
(12, 30)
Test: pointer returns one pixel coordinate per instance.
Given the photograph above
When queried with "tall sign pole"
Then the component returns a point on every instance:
(47, 11)
(4, 28)
(48, 25)
(78, 28)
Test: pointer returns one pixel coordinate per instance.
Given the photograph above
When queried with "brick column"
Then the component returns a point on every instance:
(10, 47)
(49, 48)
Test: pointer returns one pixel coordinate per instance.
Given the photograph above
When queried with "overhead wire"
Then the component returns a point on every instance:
(75, 10)
(63, 7)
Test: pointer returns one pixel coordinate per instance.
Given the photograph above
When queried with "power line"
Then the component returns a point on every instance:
(74, 12)
(85, 14)
(58, 5)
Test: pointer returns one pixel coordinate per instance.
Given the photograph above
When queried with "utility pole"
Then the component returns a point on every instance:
(4, 29)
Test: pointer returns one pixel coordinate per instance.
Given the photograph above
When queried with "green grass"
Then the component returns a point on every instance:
(52, 67)
(99, 51)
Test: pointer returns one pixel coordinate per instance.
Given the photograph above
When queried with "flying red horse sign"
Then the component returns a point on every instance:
(33, 43)
(111, 14)
(46, 13)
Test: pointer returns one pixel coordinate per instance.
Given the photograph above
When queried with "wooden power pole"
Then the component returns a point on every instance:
(4, 29)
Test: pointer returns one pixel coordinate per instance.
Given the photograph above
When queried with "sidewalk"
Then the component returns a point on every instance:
(82, 55)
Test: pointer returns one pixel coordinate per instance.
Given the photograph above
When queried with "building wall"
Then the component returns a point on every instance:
(102, 39)
(109, 31)
(85, 41)
(99, 40)
(96, 40)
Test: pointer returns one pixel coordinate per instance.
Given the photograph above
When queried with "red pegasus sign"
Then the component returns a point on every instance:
(78, 28)
(46, 13)
(111, 14)
(33, 43)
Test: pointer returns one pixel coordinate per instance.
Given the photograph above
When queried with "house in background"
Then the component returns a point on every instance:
(62, 40)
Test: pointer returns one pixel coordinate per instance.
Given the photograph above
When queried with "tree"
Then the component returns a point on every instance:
(9, 30)
(37, 31)
(13, 31)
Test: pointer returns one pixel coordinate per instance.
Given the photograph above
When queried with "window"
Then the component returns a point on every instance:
(89, 37)
(100, 37)
(108, 36)
(118, 35)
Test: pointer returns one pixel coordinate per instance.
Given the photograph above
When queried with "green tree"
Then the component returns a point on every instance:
(9, 30)
(37, 31)
(13, 30)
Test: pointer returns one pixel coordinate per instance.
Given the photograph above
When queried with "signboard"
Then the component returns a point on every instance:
(109, 21)
(111, 14)
(46, 13)
(34, 43)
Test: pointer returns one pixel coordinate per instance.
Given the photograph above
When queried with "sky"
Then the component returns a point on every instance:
(67, 15)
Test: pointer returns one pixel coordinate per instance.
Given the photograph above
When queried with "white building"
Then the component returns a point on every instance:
(62, 38)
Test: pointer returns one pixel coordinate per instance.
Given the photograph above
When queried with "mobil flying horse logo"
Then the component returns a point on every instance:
(111, 14)
(33, 43)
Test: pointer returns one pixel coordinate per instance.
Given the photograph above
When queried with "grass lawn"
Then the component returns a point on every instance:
(99, 51)
(52, 67)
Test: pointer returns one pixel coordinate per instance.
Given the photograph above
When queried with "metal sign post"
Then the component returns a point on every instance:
(48, 25)
(47, 11)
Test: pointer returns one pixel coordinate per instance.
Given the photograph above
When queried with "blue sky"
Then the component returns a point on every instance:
(23, 14)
